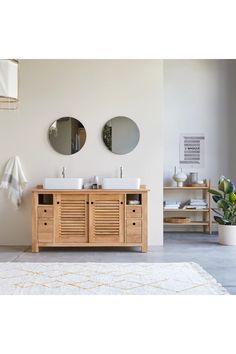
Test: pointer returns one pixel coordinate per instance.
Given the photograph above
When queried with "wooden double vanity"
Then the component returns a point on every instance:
(89, 218)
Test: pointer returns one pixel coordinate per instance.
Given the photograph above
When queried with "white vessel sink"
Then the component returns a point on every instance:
(121, 183)
(63, 183)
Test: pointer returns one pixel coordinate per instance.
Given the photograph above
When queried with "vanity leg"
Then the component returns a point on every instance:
(35, 248)
(144, 248)
(35, 245)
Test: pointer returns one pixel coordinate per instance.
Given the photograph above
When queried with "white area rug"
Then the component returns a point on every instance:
(107, 279)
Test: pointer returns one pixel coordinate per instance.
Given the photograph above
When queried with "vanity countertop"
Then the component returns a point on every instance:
(40, 189)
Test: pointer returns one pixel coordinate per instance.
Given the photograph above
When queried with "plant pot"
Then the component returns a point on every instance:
(227, 235)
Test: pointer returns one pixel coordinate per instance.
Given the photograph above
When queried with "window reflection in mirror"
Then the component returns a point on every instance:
(67, 135)
(120, 135)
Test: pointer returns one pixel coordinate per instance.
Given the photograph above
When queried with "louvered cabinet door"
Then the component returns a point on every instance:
(71, 218)
(106, 218)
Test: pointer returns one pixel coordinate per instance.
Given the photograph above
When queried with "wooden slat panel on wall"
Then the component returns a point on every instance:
(107, 218)
(73, 219)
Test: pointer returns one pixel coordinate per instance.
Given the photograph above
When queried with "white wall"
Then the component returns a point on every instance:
(196, 100)
(231, 69)
(200, 97)
(92, 91)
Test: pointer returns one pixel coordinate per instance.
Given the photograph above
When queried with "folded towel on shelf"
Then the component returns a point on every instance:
(14, 180)
(171, 204)
(197, 201)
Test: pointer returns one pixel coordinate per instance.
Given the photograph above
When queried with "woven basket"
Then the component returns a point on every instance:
(177, 220)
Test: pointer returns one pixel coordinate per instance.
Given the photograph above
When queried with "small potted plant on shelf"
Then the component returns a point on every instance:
(225, 199)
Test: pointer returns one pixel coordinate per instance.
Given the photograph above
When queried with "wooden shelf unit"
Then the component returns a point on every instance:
(186, 210)
(206, 221)
(186, 188)
(196, 223)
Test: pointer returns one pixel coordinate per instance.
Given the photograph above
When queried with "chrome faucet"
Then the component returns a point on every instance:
(121, 171)
(63, 172)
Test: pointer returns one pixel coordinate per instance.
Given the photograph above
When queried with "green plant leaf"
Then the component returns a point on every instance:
(227, 215)
(216, 198)
(225, 185)
(221, 183)
(213, 191)
(232, 197)
(231, 187)
(221, 221)
(223, 204)
(217, 212)
(226, 201)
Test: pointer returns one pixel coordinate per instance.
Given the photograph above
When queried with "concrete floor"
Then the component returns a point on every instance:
(219, 261)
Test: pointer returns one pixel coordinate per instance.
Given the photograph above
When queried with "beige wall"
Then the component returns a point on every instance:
(92, 91)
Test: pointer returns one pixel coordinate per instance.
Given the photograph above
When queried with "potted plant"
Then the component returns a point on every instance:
(225, 199)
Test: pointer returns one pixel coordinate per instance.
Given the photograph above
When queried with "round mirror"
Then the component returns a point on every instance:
(120, 135)
(67, 135)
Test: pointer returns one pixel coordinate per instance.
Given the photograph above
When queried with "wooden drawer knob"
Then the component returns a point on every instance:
(121, 202)
(45, 210)
(58, 202)
(91, 202)
(45, 223)
(133, 210)
(133, 223)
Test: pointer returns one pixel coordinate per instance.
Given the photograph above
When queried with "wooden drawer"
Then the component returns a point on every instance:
(45, 230)
(133, 211)
(45, 211)
(133, 231)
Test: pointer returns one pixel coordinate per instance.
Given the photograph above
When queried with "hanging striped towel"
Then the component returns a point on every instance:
(14, 180)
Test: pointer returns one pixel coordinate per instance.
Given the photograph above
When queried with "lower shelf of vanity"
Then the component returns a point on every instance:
(89, 244)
